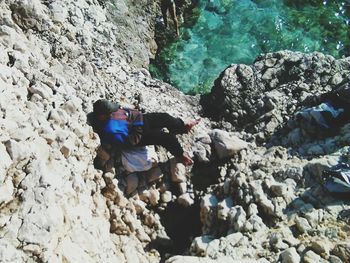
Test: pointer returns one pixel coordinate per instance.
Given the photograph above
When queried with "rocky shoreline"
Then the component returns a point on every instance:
(264, 200)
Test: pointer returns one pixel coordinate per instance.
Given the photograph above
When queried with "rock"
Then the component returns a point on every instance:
(254, 224)
(132, 182)
(342, 250)
(277, 243)
(224, 208)
(334, 259)
(200, 244)
(302, 225)
(154, 197)
(182, 188)
(154, 174)
(57, 57)
(9, 253)
(185, 200)
(192, 259)
(59, 12)
(5, 162)
(226, 145)
(213, 248)
(252, 210)
(311, 257)
(178, 171)
(36, 250)
(208, 203)
(290, 255)
(202, 149)
(315, 150)
(166, 197)
(322, 247)
(237, 217)
(6, 192)
(17, 150)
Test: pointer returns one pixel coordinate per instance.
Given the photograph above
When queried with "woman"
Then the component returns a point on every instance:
(125, 128)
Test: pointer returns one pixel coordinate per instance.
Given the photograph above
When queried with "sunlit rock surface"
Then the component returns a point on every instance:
(58, 57)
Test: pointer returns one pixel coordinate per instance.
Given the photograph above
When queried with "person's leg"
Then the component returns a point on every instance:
(157, 121)
(167, 140)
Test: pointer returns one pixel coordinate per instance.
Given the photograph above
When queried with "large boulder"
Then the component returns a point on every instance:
(261, 96)
(226, 145)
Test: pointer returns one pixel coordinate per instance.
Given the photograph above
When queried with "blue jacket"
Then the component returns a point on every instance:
(123, 128)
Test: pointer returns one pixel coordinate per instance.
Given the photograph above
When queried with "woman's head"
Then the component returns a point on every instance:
(102, 108)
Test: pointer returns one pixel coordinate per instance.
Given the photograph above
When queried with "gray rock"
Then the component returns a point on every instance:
(302, 225)
(132, 182)
(166, 197)
(237, 218)
(342, 250)
(200, 244)
(226, 145)
(334, 259)
(178, 171)
(185, 200)
(224, 208)
(321, 247)
(311, 257)
(290, 255)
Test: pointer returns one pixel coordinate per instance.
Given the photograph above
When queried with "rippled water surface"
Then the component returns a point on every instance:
(221, 32)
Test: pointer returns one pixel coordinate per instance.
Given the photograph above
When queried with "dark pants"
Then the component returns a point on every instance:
(153, 134)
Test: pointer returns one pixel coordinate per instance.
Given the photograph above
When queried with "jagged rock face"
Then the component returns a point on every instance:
(260, 97)
(135, 33)
(57, 57)
(282, 180)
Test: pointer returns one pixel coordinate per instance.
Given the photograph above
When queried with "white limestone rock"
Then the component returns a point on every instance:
(9, 253)
(132, 182)
(6, 191)
(237, 218)
(154, 197)
(182, 188)
(59, 12)
(178, 171)
(311, 257)
(185, 199)
(302, 225)
(225, 144)
(322, 247)
(224, 208)
(166, 197)
(208, 203)
(199, 245)
(290, 255)
(5, 162)
(18, 150)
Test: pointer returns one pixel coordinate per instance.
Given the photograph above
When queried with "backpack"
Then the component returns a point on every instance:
(337, 181)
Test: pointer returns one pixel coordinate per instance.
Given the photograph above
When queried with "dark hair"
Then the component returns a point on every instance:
(104, 106)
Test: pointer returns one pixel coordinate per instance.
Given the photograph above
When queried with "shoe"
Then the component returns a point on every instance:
(186, 160)
(191, 124)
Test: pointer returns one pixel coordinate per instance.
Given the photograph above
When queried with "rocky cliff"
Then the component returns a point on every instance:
(264, 202)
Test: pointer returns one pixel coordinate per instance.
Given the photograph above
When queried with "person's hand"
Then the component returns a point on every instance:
(186, 160)
(190, 124)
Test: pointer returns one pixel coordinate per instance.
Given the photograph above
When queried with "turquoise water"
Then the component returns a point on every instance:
(221, 32)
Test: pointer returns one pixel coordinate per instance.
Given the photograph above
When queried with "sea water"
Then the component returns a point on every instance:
(220, 32)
